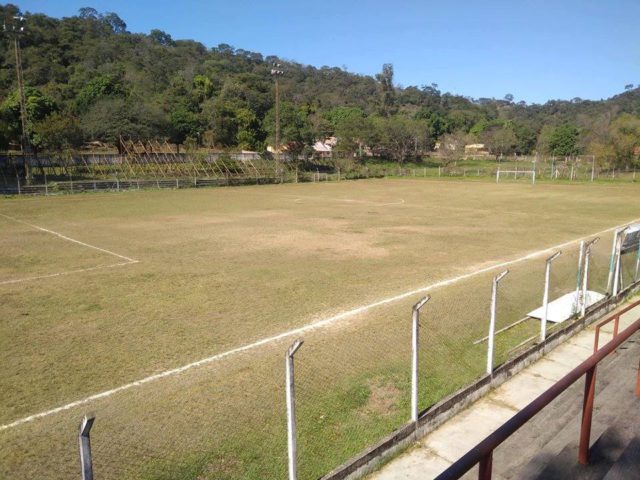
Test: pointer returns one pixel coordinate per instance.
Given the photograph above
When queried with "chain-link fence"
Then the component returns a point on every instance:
(226, 417)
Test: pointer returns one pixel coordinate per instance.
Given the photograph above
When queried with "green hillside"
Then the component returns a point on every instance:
(87, 78)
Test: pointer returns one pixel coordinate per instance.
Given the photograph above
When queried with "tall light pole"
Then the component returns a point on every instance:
(276, 72)
(16, 29)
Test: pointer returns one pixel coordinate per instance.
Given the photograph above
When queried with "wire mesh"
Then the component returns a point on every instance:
(353, 383)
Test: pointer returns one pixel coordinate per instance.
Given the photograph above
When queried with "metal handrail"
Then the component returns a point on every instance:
(616, 319)
(482, 453)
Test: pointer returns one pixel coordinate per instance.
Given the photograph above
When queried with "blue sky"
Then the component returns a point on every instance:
(535, 50)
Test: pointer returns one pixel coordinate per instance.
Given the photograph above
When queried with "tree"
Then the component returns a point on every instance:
(542, 144)
(203, 87)
(38, 106)
(88, 12)
(388, 92)
(184, 124)
(161, 38)
(398, 136)
(625, 139)
(452, 147)
(564, 140)
(116, 24)
(352, 128)
(295, 129)
(112, 117)
(57, 132)
(100, 87)
(499, 139)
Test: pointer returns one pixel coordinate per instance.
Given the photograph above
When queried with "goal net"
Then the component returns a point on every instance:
(529, 175)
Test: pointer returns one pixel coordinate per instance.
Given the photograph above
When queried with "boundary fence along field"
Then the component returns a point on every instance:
(154, 165)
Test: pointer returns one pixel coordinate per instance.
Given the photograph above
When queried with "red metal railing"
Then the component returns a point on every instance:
(615, 318)
(482, 453)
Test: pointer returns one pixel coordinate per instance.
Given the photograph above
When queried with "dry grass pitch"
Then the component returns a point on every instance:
(99, 291)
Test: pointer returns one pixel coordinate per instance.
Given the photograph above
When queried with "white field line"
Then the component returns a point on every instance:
(298, 331)
(348, 200)
(68, 272)
(64, 237)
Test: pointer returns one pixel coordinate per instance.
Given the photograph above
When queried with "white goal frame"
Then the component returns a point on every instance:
(515, 174)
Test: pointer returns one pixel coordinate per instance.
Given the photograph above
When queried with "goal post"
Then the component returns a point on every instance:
(515, 174)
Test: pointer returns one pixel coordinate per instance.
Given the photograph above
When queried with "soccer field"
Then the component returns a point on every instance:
(167, 313)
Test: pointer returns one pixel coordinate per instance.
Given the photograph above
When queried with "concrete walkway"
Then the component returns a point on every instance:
(432, 454)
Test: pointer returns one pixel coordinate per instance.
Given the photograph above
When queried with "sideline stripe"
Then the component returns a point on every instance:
(300, 330)
(69, 272)
(64, 237)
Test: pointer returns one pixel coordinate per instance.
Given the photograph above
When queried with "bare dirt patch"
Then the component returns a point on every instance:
(383, 399)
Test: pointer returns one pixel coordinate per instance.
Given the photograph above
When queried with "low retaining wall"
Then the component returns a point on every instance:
(439, 413)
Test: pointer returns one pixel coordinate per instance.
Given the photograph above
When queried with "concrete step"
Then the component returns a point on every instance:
(603, 454)
(627, 467)
(556, 429)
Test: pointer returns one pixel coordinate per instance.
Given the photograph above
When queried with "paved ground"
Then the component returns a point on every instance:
(548, 443)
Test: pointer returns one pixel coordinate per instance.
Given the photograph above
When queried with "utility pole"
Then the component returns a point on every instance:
(15, 30)
(276, 72)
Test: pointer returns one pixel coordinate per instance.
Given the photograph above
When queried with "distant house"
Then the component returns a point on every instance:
(324, 148)
(475, 149)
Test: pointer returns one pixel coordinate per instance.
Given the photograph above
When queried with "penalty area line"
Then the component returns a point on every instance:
(68, 272)
(300, 330)
(73, 240)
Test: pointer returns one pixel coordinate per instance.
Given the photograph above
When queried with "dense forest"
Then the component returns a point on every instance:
(89, 79)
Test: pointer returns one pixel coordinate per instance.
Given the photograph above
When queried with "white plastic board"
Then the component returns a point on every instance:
(563, 308)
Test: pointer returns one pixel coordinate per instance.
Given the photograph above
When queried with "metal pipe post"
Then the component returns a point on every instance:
(291, 409)
(492, 323)
(587, 415)
(85, 446)
(485, 467)
(585, 275)
(638, 383)
(635, 275)
(618, 260)
(545, 298)
(612, 260)
(414, 357)
(580, 262)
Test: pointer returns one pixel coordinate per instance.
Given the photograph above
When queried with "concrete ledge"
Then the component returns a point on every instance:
(437, 414)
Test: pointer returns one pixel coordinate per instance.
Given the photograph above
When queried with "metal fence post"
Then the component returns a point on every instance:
(635, 275)
(576, 301)
(414, 357)
(618, 260)
(85, 446)
(18, 178)
(545, 298)
(492, 323)
(585, 275)
(291, 409)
